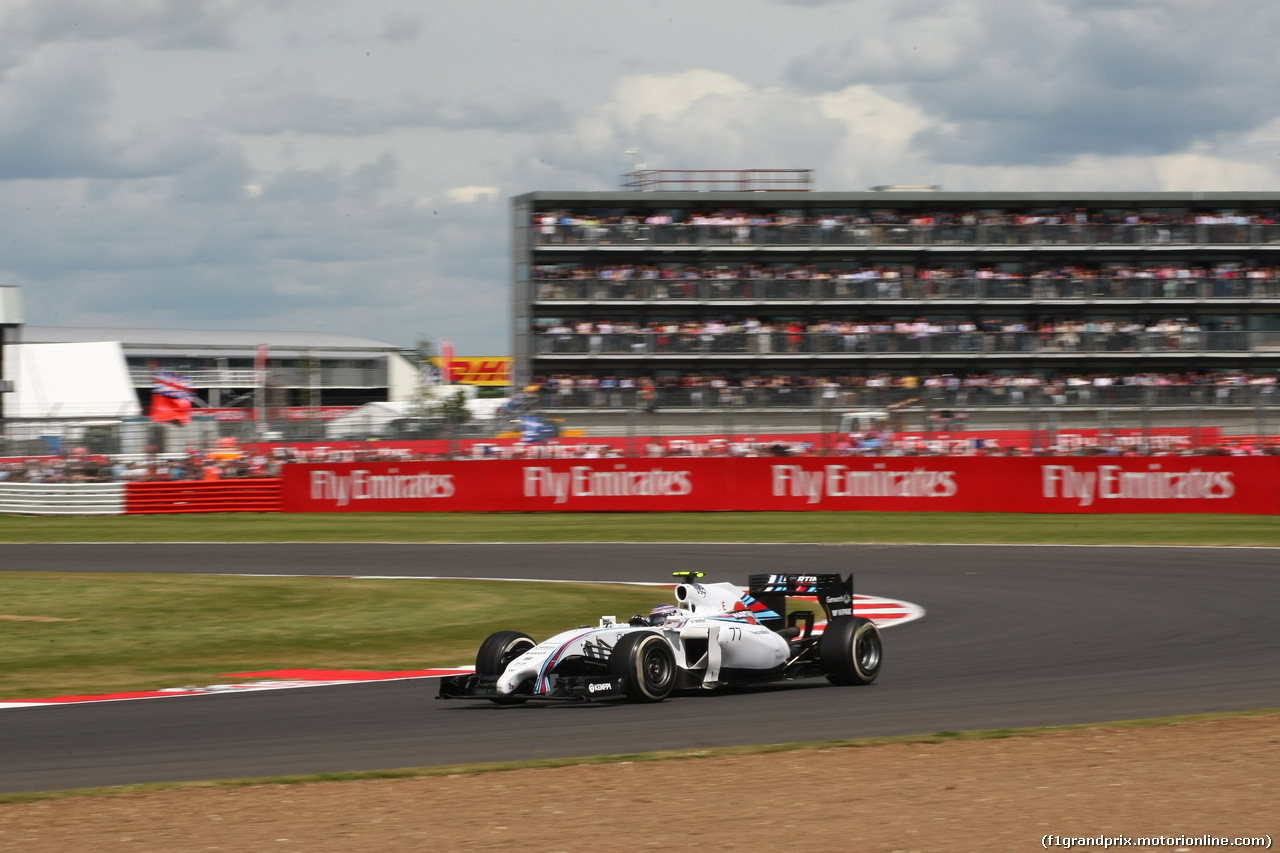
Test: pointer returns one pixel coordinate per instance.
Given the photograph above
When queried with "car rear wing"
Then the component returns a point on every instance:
(834, 593)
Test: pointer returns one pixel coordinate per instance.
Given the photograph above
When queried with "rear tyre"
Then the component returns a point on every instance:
(496, 652)
(648, 663)
(850, 650)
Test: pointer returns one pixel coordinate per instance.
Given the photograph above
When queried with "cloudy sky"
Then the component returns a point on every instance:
(348, 166)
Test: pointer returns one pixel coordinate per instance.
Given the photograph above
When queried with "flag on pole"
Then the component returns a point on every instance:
(446, 360)
(260, 379)
(171, 396)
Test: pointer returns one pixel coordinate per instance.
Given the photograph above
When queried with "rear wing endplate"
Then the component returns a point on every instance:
(833, 592)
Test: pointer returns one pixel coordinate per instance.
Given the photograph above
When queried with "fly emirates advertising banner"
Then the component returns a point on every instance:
(1223, 484)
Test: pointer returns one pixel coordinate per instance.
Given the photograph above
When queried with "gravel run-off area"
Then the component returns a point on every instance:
(1218, 777)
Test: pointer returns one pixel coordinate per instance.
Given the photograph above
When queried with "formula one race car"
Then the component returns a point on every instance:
(715, 635)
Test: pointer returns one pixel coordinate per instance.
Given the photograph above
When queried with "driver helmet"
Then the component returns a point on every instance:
(660, 614)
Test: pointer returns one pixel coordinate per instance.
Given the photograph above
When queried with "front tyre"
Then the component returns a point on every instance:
(497, 652)
(648, 663)
(850, 650)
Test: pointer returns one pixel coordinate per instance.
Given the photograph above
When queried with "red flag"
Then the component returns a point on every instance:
(171, 398)
(170, 410)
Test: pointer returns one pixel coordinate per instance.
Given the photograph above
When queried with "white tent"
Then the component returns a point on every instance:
(369, 419)
(83, 380)
(372, 418)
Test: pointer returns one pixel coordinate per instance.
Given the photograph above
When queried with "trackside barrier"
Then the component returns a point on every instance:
(62, 498)
(258, 494)
(1204, 484)
(1165, 484)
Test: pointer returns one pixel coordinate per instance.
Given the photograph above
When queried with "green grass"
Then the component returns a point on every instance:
(128, 632)
(655, 527)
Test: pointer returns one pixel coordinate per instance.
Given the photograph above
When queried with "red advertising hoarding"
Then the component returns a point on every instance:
(1216, 484)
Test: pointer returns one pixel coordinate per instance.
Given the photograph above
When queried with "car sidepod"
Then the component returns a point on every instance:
(715, 651)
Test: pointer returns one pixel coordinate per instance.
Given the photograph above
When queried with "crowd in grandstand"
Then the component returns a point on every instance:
(763, 335)
(904, 281)
(567, 390)
(872, 443)
(80, 466)
(891, 225)
(549, 220)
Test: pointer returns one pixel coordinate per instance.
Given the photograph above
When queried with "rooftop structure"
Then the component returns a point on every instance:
(302, 367)
(718, 180)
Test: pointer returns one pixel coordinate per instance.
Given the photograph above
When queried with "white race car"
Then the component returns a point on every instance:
(715, 635)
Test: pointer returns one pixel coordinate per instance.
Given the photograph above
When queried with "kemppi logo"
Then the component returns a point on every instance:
(599, 688)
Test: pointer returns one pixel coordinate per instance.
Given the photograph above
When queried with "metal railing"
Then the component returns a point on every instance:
(718, 180)
(62, 498)
(729, 410)
(590, 233)
(819, 397)
(895, 289)
(892, 343)
(288, 377)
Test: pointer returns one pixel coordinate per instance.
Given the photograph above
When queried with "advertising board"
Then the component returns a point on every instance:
(1213, 484)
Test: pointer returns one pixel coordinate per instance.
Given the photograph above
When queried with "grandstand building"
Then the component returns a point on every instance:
(798, 288)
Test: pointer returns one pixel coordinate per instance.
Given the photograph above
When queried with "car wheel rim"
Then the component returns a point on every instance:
(868, 652)
(657, 669)
(514, 651)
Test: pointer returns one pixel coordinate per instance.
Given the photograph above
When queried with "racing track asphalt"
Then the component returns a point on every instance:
(1014, 636)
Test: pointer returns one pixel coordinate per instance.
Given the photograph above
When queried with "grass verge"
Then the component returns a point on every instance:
(670, 755)
(820, 527)
(92, 633)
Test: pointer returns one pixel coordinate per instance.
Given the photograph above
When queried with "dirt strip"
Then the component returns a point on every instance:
(1217, 777)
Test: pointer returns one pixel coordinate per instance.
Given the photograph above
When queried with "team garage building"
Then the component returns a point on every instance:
(103, 387)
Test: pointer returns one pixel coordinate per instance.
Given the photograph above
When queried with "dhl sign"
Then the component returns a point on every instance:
(480, 370)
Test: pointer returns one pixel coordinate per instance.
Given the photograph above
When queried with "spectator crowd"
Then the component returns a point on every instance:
(80, 466)
(1066, 225)
(887, 281)
(568, 390)
(764, 335)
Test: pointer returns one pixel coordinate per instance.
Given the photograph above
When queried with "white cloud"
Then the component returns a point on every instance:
(53, 112)
(401, 27)
(1043, 82)
(696, 119)
(472, 194)
(274, 164)
(293, 103)
(155, 24)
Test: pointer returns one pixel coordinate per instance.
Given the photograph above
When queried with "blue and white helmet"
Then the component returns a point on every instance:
(660, 614)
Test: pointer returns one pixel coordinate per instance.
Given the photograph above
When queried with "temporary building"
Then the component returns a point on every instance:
(80, 380)
(375, 418)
